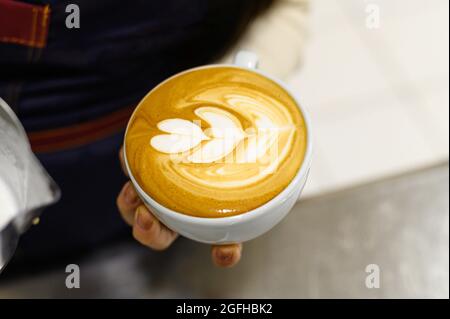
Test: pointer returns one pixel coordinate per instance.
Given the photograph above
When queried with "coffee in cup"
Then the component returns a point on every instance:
(215, 142)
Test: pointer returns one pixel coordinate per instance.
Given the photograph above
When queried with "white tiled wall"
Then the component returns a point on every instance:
(378, 98)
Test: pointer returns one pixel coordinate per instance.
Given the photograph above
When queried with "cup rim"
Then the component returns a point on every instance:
(251, 214)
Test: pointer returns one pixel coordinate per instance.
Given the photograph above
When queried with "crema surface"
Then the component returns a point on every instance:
(215, 142)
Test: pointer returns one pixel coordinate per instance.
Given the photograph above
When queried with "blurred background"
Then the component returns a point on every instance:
(378, 95)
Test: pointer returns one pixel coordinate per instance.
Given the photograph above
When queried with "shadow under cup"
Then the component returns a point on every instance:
(244, 225)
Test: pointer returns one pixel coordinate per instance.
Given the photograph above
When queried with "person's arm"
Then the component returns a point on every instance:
(277, 36)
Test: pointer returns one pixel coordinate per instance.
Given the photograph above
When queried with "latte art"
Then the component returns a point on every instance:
(225, 133)
(215, 142)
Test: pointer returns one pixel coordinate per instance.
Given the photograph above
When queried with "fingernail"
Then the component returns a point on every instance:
(143, 219)
(131, 196)
(225, 254)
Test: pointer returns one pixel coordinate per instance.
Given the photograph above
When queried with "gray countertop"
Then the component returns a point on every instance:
(320, 250)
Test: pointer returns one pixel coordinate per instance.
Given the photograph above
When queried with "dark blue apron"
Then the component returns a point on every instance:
(83, 78)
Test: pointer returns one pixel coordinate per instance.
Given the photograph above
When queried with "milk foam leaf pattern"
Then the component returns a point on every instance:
(184, 135)
(225, 132)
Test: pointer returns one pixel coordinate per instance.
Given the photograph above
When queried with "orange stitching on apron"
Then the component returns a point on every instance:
(33, 27)
(44, 25)
(46, 12)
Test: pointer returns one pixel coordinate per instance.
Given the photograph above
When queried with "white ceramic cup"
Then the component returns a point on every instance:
(245, 226)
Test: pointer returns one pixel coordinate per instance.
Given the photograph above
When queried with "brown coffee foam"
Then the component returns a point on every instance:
(171, 184)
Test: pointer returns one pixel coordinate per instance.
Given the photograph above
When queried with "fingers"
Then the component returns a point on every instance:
(122, 161)
(226, 255)
(146, 228)
(149, 231)
(127, 202)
